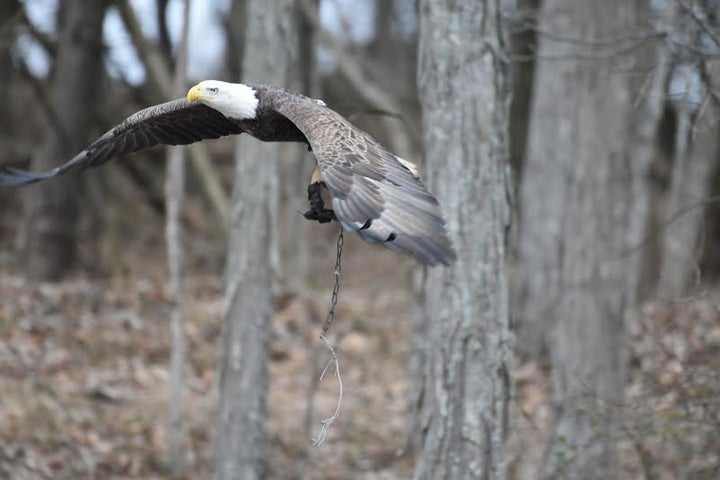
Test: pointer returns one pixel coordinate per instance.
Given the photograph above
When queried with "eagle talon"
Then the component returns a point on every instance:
(322, 216)
(317, 211)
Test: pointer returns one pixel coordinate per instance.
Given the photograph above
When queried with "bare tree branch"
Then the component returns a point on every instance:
(41, 92)
(375, 96)
(700, 22)
(44, 40)
(165, 44)
(156, 67)
(161, 79)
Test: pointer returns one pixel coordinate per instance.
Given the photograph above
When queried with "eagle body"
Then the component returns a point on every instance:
(373, 192)
(268, 125)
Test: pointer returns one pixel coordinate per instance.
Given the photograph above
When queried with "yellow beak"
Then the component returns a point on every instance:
(195, 94)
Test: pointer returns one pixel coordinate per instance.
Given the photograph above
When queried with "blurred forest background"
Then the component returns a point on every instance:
(592, 346)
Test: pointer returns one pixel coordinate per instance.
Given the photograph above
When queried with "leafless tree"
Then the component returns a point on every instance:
(235, 23)
(696, 107)
(522, 43)
(53, 208)
(293, 231)
(174, 194)
(8, 31)
(241, 444)
(598, 95)
(463, 402)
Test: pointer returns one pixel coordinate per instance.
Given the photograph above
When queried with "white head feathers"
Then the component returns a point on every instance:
(234, 100)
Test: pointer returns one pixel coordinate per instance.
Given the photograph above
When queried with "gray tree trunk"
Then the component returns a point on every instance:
(293, 230)
(53, 209)
(174, 196)
(8, 33)
(235, 25)
(462, 78)
(241, 443)
(584, 203)
(8, 123)
(695, 159)
(522, 43)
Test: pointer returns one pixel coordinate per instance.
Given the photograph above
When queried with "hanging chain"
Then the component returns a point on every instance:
(336, 289)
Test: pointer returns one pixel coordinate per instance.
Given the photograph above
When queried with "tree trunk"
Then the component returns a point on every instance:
(8, 125)
(235, 26)
(241, 443)
(293, 230)
(584, 206)
(463, 88)
(8, 33)
(522, 43)
(174, 196)
(52, 228)
(695, 160)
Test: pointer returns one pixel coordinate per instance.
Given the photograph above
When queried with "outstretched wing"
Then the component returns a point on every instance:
(177, 122)
(373, 193)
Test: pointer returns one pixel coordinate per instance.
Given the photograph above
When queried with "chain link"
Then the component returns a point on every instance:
(338, 269)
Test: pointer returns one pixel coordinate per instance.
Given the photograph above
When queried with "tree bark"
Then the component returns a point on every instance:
(522, 43)
(53, 210)
(694, 164)
(8, 81)
(235, 25)
(584, 202)
(241, 443)
(174, 196)
(8, 32)
(295, 169)
(462, 78)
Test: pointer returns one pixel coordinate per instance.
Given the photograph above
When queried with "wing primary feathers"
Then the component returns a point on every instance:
(374, 193)
(17, 177)
(177, 122)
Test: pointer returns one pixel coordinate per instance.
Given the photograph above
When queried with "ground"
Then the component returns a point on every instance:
(84, 383)
(84, 378)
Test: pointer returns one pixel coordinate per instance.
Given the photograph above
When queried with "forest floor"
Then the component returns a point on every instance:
(84, 383)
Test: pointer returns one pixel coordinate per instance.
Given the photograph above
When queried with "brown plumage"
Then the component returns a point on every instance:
(374, 193)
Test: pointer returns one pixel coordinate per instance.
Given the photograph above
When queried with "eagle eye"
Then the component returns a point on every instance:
(213, 90)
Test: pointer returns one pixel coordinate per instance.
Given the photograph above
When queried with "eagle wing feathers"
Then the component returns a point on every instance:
(177, 122)
(372, 192)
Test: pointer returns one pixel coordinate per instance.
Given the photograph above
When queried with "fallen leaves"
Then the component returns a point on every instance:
(84, 386)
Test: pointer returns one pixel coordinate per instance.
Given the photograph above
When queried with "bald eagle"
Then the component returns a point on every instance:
(373, 192)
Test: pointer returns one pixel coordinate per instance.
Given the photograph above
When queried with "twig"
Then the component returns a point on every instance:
(669, 221)
(700, 22)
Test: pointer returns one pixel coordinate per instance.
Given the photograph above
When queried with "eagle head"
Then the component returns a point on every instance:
(234, 100)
